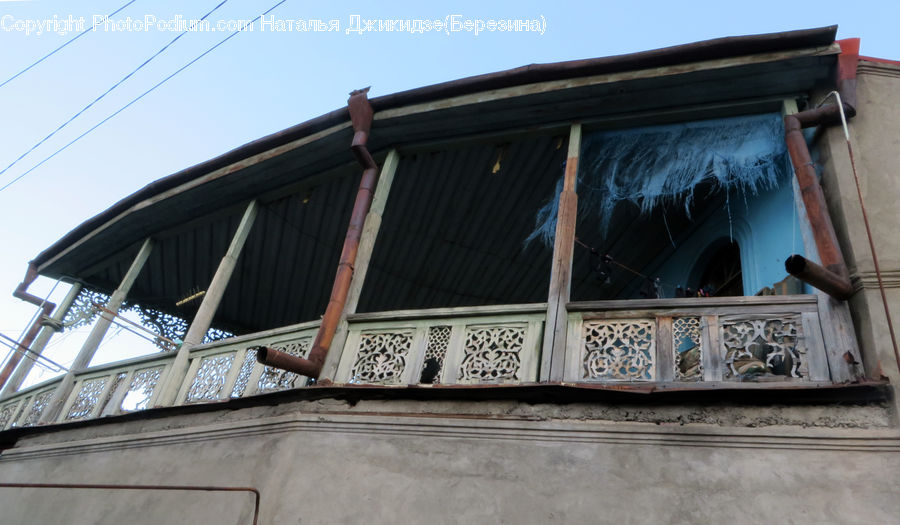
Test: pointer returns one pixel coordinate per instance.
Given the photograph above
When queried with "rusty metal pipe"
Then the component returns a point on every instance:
(361, 117)
(285, 361)
(46, 309)
(813, 274)
(837, 284)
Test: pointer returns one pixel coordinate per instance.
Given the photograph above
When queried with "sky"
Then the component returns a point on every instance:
(267, 78)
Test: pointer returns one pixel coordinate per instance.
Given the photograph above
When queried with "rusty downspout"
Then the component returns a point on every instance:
(361, 116)
(832, 277)
(46, 309)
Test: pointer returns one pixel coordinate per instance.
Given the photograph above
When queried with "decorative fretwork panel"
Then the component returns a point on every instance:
(619, 350)
(87, 398)
(216, 334)
(37, 408)
(274, 379)
(210, 378)
(492, 353)
(436, 351)
(83, 311)
(687, 343)
(243, 378)
(764, 347)
(381, 357)
(143, 382)
(117, 382)
(166, 325)
(20, 411)
(6, 414)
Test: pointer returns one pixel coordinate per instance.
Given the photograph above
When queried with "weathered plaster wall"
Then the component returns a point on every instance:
(875, 136)
(461, 462)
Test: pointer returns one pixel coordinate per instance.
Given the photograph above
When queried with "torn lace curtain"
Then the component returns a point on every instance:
(662, 165)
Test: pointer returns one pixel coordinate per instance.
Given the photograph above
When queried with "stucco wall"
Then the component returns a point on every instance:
(875, 138)
(329, 462)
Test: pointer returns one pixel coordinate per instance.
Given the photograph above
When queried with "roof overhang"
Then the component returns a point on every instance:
(701, 80)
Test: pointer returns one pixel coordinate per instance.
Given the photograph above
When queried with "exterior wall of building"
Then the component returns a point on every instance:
(400, 461)
(470, 462)
(875, 137)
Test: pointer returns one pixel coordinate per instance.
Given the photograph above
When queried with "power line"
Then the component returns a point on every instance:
(142, 95)
(27, 352)
(76, 37)
(108, 91)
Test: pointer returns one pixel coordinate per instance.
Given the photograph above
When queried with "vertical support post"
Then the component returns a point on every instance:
(25, 365)
(834, 316)
(363, 256)
(553, 355)
(211, 301)
(83, 359)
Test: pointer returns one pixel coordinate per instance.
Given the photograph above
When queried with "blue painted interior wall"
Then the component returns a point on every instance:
(765, 226)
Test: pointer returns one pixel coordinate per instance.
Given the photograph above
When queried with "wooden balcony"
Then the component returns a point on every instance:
(661, 344)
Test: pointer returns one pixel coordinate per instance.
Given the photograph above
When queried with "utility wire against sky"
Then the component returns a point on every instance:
(67, 42)
(142, 95)
(108, 91)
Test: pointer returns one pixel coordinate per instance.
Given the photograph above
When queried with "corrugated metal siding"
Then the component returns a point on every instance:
(286, 270)
(453, 232)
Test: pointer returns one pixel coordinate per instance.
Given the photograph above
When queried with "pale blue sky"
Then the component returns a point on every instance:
(261, 82)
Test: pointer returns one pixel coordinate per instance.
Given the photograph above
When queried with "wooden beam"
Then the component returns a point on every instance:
(211, 300)
(605, 78)
(554, 349)
(363, 257)
(83, 359)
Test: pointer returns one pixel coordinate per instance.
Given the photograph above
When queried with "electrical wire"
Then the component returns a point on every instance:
(142, 95)
(27, 352)
(108, 91)
(865, 217)
(67, 42)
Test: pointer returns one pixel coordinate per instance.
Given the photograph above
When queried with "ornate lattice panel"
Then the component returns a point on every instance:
(763, 347)
(87, 398)
(381, 357)
(20, 411)
(6, 414)
(492, 353)
(619, 350)
(117, 381)
(435, 351)
(243, 378)
(687, 343)
(216, 334)
(83, 311)
(273, 379)
(210, 378)
(143, 382)
(37, 408)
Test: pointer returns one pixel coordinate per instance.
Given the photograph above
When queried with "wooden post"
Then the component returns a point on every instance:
(834, 316)
(212, 298)
(363, 256)
(553, 354)
(83, 359)
(25, 365)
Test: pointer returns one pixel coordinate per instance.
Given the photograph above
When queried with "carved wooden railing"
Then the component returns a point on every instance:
(451, 345)
(733, 342)
(218, 371)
